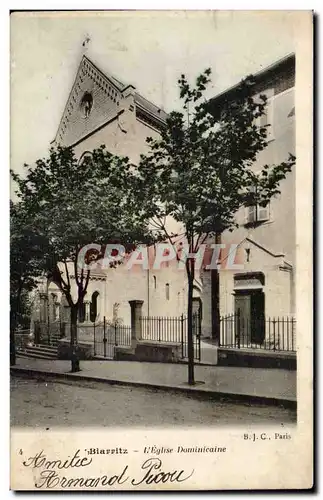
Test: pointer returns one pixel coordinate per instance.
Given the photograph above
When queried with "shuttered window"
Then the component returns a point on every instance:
(256, 213)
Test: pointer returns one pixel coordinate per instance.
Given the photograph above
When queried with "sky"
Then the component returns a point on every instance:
(147, 49)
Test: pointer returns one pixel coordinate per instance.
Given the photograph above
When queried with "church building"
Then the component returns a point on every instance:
(101, 110)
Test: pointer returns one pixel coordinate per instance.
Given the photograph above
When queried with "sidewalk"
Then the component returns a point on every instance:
(269, 386)
(208, 353)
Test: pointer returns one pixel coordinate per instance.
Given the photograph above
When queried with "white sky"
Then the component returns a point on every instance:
(147, 49)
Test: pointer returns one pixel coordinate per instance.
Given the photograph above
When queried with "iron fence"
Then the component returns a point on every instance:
(108, 336)
(104, 336)
(173, 330)
(269, 333)
(23, 338)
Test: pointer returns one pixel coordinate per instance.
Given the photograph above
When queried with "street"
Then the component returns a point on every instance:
(46, 403)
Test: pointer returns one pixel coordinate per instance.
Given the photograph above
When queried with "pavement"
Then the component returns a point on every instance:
(265, 386)
(209, 353)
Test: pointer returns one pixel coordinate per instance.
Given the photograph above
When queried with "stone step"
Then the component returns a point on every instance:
(35, 355)
(41, 351)
(42, 348)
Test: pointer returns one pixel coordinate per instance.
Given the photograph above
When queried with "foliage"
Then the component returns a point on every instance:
(27, 260)
(200, 170)
(71, 205)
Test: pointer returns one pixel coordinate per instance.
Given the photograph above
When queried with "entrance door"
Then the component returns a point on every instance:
(242, 306)
(257, 333)
(250, 306)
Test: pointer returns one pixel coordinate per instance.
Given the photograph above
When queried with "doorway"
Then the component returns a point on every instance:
(249, 305)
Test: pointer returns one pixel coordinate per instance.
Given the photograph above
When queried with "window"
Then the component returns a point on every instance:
(86, 156)
(167, 291)
(256, 213)
(94, 307)
(86, 104)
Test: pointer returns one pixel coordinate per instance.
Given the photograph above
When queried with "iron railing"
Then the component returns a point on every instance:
(172, 330)
(269, 333)
(107, 336)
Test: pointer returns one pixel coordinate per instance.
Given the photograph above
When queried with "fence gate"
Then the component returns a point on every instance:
(108, 336)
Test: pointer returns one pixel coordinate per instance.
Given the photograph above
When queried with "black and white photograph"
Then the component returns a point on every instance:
(155, 176)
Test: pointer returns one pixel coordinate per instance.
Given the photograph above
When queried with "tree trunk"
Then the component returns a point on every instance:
(190, 344)
(74, 348)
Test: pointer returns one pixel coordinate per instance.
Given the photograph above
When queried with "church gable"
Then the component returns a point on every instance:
(94, 100)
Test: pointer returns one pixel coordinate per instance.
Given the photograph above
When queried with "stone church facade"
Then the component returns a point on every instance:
(102, 110)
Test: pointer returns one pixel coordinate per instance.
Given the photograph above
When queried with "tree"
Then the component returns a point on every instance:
(200, 171)
(27, 252)
(72, 205)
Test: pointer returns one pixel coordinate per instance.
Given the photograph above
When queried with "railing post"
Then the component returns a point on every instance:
(182, 334)
(94, 340)
(220, 330)
(115, 334)
(159, 320)
(238, 328)
(104, 339)
(274, 326)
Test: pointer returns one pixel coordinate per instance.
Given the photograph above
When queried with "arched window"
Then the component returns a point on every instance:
(167, 291)
(86, 156)
(86, 104)
(94, 307)
(155, 282)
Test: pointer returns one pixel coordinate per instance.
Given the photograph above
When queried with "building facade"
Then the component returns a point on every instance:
(263, 284)
(100, 110)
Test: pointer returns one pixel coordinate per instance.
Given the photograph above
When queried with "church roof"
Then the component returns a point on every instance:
(115, 89)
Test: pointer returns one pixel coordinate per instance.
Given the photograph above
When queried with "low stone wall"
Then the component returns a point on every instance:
(124, 354)
(256, 358)
(158, 352)
(153, 352)
(84, 350)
